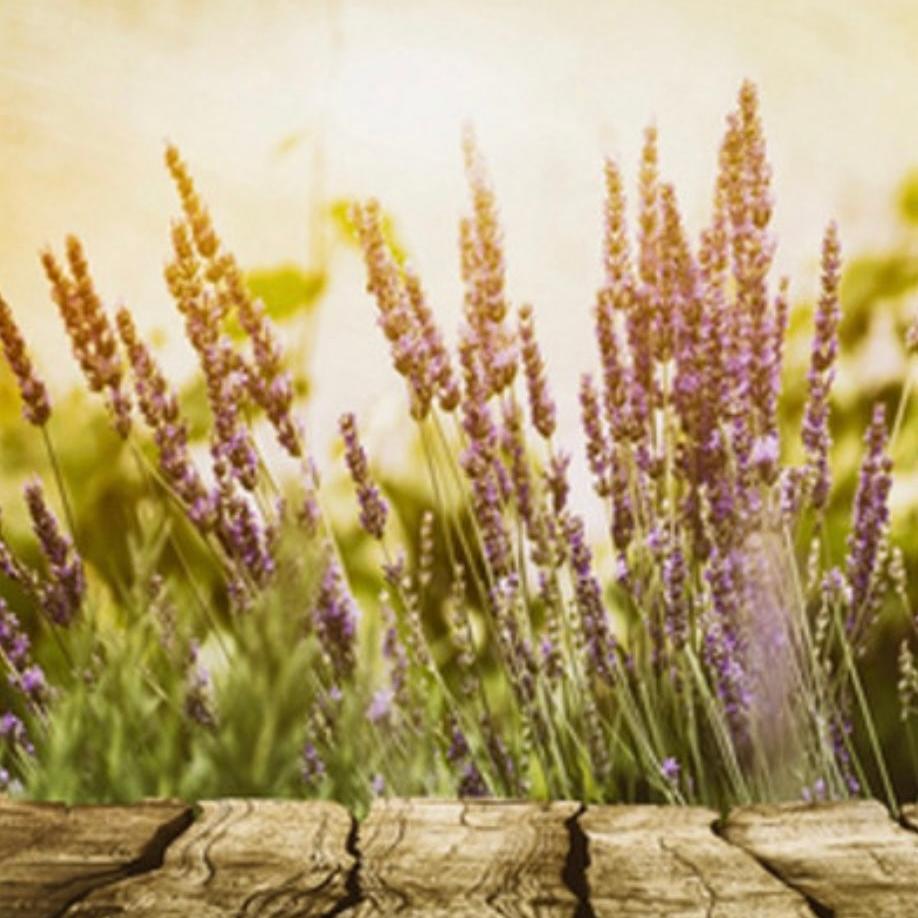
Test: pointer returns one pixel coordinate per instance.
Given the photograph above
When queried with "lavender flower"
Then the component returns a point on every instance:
(198, 702)
(269, 383)
(196, 214)
(243, 535)
(312, 769)
(394, 651)
(596, 443)
(753, 248)
(674, 600)
(226, 375)
(458, 755)
(557, 482)
(815, 434)
(649, 219)
(514, 446)
(870, 526)
(438, 366)
(600, 643)
(670, 770)
(616, 381)
(417, 349)
(541, 405)
(62, 592)
(91, 335)
(35, 405)
(483, 272)
(373, 509)
(816, 793)
(479, 466)
(13, 730)
(380, 707)
(616, 256)
(724, 651)
(335, 619)
(907, 684)
(158, 404)
(24, 675)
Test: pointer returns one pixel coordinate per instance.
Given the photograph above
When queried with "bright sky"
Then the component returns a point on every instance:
(281, 105)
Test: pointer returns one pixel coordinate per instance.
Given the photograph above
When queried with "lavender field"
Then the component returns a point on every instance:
(198, 604)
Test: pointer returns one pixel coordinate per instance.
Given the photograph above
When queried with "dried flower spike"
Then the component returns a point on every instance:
(35, 405)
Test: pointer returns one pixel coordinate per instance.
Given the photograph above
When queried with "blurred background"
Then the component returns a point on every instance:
(287, 111)
(283, 108)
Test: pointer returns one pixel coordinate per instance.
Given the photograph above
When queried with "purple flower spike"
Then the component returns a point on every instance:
(373, 509)
(335, 619)
(62, 593)
(816, 439)
(312, 767)
(870, 526)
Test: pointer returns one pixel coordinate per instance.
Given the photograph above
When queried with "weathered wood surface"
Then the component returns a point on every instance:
(242, 857)
(52, 855)
(656, 860)
(455, 858)
(910, 816)
(465, 858)
(850, 859)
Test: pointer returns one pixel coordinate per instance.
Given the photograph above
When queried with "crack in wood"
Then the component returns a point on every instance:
(819, 909)
(680, 858)
(576, 864)
(354, 892)
(150, 859)
(851, 857)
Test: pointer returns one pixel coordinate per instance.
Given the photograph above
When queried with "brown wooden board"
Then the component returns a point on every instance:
(910, 816)
(657, 860)
(852, 858)
(242, 857)
(52, 855)
(473, 857)
(455, 858)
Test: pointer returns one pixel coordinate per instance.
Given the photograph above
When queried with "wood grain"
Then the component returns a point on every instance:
(465, 858)
(851, 858)
(440, 858)
(655, 860)
(51, 855)
(242, 858)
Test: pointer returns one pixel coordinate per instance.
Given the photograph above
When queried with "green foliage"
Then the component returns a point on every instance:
(287, 291)
(908, 198)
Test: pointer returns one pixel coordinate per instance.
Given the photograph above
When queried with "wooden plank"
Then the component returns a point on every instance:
(665, 860)
(471, 857)
(51, 855)
(242, 857)
(910, 816)
(851, 858)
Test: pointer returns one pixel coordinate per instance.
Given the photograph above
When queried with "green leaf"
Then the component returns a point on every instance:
(286, 290)
(907, 198)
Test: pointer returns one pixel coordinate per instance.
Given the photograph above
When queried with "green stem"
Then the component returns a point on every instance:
(59, 480)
